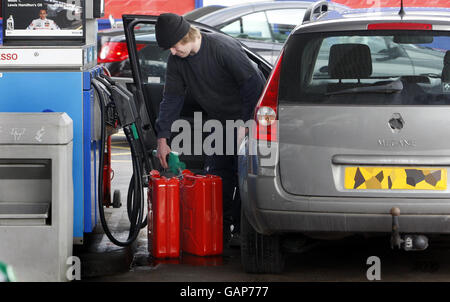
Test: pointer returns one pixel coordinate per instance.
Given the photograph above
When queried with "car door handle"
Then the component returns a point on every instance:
(412, 160)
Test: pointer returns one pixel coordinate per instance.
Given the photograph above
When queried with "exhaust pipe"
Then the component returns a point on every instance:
(407, 242)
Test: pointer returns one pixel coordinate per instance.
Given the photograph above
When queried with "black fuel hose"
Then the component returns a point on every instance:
(130, 201)
(107, 81)
(136, 204)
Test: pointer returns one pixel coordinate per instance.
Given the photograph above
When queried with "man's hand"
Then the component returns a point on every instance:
(162, 150)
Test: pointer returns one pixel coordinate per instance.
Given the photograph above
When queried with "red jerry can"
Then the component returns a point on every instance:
(201, 206)
(163, 216)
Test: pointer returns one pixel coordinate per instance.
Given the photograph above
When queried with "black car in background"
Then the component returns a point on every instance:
(262, 27)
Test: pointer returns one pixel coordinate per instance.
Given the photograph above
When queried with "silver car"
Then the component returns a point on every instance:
(262, 26)
(352, 134)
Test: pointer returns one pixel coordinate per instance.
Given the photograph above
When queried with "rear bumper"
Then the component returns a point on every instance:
(271, 210)
(289, 221)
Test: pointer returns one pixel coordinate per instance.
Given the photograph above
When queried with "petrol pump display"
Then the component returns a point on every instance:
(43, 21)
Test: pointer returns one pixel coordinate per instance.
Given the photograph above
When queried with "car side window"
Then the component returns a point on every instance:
(253, 26)
(234, 29)
(151, 58)
(283, 21)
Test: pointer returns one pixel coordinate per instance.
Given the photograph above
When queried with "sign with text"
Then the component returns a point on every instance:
(43, 20)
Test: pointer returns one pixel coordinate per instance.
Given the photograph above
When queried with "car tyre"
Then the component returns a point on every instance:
(116, 200)
(260, 254)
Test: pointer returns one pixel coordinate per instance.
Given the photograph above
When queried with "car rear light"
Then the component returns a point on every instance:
(266, 116)
(399, 26)
(266, 109)
(115, 52)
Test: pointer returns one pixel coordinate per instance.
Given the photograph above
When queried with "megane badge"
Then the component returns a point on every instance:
(396, 123)
(446, 87)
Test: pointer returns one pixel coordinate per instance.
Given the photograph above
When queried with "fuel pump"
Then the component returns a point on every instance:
(45, 69)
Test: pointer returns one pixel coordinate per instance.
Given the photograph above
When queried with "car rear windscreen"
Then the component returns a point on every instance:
(367, 68)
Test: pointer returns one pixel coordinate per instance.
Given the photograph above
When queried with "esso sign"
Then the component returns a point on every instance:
(8, 56)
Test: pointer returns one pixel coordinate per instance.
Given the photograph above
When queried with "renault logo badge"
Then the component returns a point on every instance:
(396, 123)
(446, 87)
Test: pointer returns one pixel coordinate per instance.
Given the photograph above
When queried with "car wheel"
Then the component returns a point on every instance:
(260, 253)
(116, 199)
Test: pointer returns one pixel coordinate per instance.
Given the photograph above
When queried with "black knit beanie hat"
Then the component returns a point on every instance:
(170, 29)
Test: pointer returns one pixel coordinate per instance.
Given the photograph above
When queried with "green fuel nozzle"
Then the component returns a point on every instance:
(173, 160)
(6, 273)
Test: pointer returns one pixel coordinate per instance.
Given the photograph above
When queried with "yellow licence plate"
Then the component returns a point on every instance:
(395, 178)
